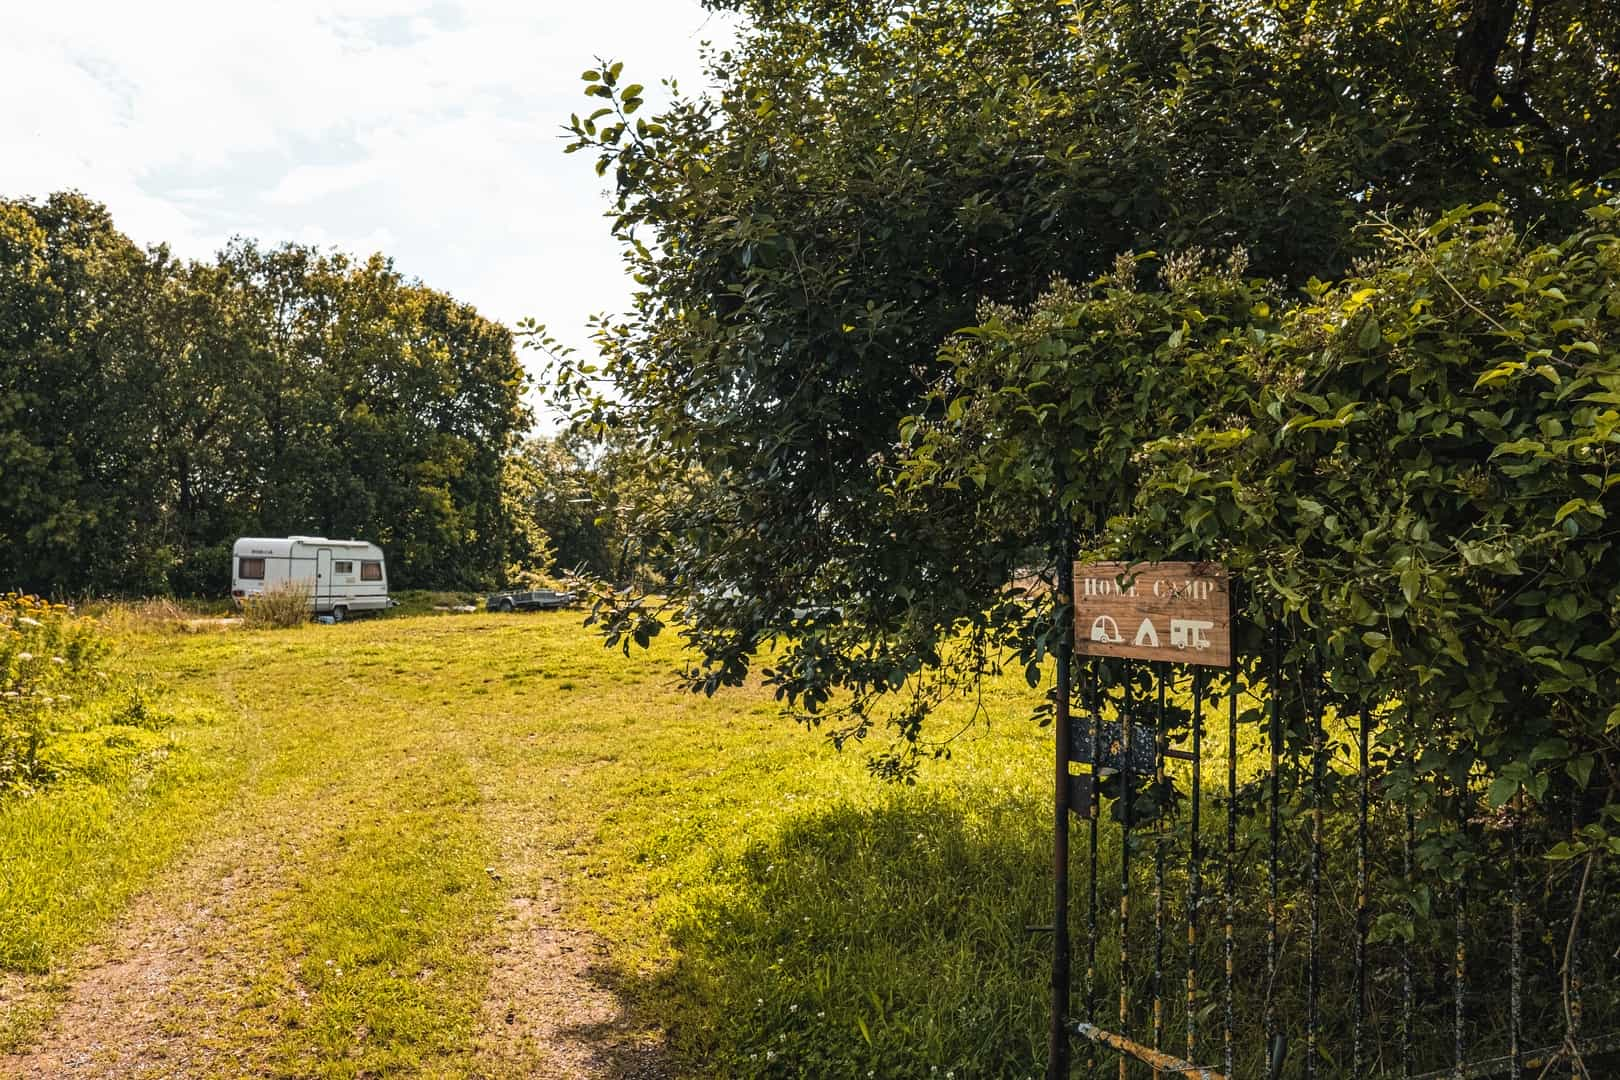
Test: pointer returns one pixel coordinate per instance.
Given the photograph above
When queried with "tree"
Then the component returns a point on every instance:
(557, 492)
(866, 175)
(70, 378)
(151, 410)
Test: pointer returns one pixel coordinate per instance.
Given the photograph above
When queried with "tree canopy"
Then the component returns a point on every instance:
(151, 410)
(866, 177)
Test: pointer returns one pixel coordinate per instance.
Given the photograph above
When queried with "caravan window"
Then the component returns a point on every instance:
(250, 569)
(371, 571)
(343, 568)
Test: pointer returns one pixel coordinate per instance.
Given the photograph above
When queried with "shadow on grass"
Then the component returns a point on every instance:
(891, 940)
(884, 940)
(617, 1047)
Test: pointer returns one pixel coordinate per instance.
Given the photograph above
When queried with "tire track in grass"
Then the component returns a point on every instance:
(188, 983)
(380, 972)
(116, 1019)
(550, 1008)
(380, 895)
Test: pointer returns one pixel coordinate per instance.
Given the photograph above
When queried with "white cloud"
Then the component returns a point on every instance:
(428, 129)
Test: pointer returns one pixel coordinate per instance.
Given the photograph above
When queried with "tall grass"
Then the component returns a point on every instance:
(162, 615)
(281, 606)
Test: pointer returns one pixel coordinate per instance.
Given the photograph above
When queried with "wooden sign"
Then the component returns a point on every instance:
(1180, 612)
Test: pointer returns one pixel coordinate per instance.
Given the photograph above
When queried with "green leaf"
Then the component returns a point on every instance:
(1567, 509)
(1411, 584)
(1502, 789)
(1369, 336)
(1505, 370)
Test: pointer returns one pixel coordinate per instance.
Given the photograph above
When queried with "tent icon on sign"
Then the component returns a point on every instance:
(1105, 629)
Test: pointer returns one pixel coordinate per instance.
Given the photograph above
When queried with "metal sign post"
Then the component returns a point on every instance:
(1057, 1052)
(1172, 612)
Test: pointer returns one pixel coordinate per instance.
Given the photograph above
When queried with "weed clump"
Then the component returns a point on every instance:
(47, 666)
(279, 607)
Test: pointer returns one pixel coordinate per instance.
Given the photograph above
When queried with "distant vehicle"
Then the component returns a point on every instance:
(344, 577)
(534, 600)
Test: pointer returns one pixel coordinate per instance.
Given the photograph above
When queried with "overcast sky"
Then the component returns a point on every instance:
(429, 131)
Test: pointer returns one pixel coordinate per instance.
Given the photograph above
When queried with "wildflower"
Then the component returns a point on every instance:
(24, 620)
(770, 1055)
(25, 656)
(793, 1008)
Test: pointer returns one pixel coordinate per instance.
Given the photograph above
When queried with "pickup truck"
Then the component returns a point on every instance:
(537, 600)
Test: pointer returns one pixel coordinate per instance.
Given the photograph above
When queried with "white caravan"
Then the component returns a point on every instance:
(343, 576)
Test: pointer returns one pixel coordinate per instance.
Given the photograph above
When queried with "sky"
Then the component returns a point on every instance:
(429, 130)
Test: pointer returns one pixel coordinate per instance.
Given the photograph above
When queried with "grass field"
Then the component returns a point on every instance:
(370, 803)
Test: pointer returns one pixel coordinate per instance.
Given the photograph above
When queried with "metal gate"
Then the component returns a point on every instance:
(1259, 894)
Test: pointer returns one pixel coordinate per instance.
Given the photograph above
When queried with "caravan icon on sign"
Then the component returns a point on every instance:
(1178, 612)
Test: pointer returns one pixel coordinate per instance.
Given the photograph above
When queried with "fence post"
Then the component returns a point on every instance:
(1057, 1051)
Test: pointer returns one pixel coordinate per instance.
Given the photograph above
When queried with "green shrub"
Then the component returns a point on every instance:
(204, 571)
(1418, 465)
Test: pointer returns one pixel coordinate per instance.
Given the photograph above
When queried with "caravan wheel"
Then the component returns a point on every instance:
(506, 605)
(339, 613)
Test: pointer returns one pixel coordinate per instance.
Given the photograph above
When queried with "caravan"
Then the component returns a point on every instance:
(343, 577)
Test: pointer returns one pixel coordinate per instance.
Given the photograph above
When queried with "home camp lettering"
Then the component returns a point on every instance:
(1180, 612)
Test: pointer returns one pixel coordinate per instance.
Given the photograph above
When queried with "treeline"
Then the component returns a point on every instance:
(153, 409)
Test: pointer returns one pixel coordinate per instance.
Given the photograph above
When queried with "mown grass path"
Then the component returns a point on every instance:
(482, 846)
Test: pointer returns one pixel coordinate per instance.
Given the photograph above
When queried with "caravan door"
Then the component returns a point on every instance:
(323, 579)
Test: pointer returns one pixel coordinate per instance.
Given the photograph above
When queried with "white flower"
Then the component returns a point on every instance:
(57, 660)
(25, 656)
(770, 1055)
(24, 620)
(793, 1008)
